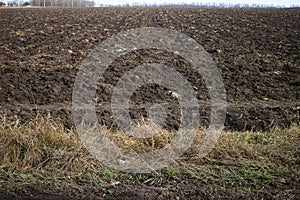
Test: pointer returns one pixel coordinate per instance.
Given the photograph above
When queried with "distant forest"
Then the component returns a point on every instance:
(53, 3)
(92, 3)
(199, 4)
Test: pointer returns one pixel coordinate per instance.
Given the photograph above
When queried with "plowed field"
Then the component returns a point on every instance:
(257, 51)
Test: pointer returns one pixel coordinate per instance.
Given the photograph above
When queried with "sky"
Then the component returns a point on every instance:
(285, 3)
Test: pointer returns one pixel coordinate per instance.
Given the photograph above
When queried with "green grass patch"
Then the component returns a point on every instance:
(42, 151)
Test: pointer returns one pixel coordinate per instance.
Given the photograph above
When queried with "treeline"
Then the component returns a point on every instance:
(63, 3)
(53, 3)
(91, 3)
(202, 5)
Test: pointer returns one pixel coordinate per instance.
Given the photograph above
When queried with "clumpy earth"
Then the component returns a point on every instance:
(185, 190)
(256, 50)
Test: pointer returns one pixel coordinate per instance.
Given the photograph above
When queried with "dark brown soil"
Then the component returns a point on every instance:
(256, 50)
(184, 190)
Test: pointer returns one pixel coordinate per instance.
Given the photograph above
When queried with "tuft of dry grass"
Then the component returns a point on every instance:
(40, 144)
(142, 144)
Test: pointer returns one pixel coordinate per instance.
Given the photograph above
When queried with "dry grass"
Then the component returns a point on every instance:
(42, 150)
(40, 144)
(139, 145)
